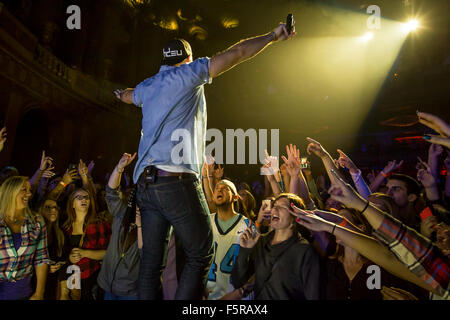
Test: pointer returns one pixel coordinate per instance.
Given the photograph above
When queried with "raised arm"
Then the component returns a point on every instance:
(422, 257)
(116, 175)
(365, 245)
(360, 184)
(85, 179)
(246, 49)
(68, 178)
(391, 166)
(125, 95)
(45, 168)
(328, 162)
(438, 125)
(207, 180)
(271, 170)
(434, 152)
(298, 183)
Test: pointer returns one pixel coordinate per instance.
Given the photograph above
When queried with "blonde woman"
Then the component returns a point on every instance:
(23, 243)
(50, 211)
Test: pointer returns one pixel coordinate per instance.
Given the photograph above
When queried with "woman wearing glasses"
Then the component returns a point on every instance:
(55, 243)
(87, 237)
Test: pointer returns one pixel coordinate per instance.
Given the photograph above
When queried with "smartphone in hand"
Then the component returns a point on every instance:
(289, 23)
(254, 231)
(304, 163)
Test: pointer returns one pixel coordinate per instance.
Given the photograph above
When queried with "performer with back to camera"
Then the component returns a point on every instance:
(169, 193)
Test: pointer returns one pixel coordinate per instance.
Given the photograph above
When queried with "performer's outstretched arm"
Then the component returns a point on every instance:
(245, 50)
(125, 95)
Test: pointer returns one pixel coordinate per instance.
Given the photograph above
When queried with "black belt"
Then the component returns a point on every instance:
(162, 173)
(151, 172)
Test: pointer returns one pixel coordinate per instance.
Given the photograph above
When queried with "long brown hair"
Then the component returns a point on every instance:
(360, 221)
(91, 216)
(58, 232)
(298, 202)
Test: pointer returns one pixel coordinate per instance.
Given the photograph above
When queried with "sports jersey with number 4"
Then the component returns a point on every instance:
(226, 248)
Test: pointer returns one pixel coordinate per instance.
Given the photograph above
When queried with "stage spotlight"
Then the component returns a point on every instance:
(411, 25)
(368, 36)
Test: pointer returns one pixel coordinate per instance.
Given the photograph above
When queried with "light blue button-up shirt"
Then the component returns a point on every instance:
(174, 118)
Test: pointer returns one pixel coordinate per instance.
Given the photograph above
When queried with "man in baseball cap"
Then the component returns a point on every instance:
(173, 100)
(176, 51)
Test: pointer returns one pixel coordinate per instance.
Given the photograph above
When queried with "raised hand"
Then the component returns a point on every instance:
(316, 148)
(371, 176)
(47, 174)
(91, 166)
(343, 192)
(264, 212)
(70, 176)
(218, 172)
(246, 239)
(438, 125)
(118, 93)
(281, 33)
(345, 162)
(311, 221)
(435, 150)
(271, 166)
(3, 138)
(125, 160)
(82, 169)
(292, 163)
(424, 174)
(46, 163)
(392, 166)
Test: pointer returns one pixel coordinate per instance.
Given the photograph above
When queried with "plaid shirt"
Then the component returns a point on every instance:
(417, 253)
(17, 265)
(96, 237)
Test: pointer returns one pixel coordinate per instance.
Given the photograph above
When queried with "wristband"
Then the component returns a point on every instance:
(273, 35)
(258, 225)
(334, 227)
(367, 205)
(119, 170)
(343, 223)
(383, 174)
(63, 184)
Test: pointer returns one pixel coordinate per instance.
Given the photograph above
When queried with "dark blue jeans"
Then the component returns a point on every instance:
(179, 202)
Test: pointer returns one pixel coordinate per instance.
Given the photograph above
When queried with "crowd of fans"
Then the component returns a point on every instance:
(375, 236)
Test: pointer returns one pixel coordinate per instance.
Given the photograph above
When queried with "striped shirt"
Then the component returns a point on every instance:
(18, 264)
(417, 253)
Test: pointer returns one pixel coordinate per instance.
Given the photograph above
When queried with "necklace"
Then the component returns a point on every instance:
(15, 220)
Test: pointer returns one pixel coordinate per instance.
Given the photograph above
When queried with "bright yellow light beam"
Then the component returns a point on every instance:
(368, 36)
(411, 25)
